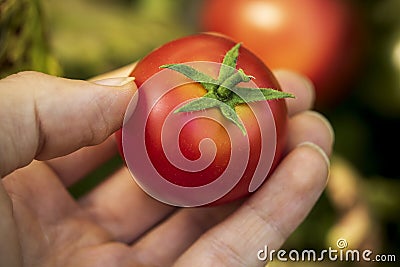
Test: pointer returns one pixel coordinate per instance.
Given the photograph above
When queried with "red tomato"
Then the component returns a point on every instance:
(211, 48)
(319, 38)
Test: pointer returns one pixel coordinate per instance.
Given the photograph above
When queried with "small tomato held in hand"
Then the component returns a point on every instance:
(209, 123)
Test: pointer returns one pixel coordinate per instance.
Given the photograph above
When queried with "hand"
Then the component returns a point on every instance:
(54, 131)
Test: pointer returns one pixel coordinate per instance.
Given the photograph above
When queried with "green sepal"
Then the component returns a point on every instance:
(207, 102)
(224, 92)
(247, 95)
(228, 66)
(230, 113)
(199, 104)
(205, 80)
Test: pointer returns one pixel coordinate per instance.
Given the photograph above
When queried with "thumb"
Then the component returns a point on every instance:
(43, 117)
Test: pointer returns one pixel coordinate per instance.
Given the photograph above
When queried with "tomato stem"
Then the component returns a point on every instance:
(224, 93)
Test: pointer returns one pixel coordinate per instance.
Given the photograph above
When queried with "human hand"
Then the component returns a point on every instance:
(54, 131)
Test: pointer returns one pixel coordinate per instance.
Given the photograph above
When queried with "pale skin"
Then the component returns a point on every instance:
(54, 131)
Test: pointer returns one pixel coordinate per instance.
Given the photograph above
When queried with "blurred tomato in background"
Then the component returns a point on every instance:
(322, 39)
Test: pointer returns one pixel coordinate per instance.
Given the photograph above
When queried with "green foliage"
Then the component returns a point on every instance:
(92, 37)
(23, 41)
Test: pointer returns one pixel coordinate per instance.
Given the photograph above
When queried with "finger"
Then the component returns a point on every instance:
(298, 85)
(59, 115)
(268, 217)
(36, 189)
(310, 126)
(114, 205)
(120, 72)
(46, 213)
(74, 166)
(183, 227)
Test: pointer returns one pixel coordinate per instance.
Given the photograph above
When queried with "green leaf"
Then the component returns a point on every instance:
(230, 113)
(235, 78)
(205, 80)
(207, 102)
(199, 104)
(228, 67)
(271, 94)
(247, 95)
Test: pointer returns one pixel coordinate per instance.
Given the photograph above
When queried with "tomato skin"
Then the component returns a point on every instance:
(321, 39)
(212, 48)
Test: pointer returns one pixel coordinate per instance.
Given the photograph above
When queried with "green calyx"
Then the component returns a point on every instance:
(224, 92)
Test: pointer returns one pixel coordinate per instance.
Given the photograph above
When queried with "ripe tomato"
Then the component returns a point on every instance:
(319, 38)
(204, 48)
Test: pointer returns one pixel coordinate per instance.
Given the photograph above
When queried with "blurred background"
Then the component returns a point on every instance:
(349, 48)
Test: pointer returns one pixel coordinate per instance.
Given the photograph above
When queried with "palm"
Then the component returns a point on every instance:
(60, 231)
(57, 230)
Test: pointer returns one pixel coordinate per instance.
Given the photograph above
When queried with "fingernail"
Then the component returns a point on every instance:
(318, 149)
(309, 85)
(118, 81)
(325, 121)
